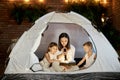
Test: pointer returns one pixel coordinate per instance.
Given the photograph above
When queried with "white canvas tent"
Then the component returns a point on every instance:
(22, 56)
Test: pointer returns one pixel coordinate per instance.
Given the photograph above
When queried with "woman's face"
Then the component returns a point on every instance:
(64, 41)
(53, 49)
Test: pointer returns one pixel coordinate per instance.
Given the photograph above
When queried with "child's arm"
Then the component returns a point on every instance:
(60, 55)
(48, 58)
(81, 61)
(56, 60)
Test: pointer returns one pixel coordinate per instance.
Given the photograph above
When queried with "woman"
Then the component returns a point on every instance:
(66, 49)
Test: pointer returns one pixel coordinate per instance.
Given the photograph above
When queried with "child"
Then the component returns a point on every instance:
(50, 60)
(89, 56)
(51, 54)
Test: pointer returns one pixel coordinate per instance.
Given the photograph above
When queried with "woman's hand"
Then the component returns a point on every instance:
(64, 51)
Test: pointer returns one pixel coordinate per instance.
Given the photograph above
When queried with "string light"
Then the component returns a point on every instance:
(97, 1)
(66, 1)
(11, 0)
(82, 0)
(75, 1)
(102, 19)
(41, 1)
(26, 0)
(104, 1)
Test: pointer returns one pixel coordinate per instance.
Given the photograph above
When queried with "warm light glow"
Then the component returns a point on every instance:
(104, 1)
(26, 0)
(102, 19)
(11, 0)
(75, 1)
(82, 0)
(41, 1)
(66, 1)
(97, 1)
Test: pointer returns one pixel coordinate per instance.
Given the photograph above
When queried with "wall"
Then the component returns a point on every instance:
(9, 29)
(116, 14)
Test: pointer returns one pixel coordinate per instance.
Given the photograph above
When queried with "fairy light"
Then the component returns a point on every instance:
(82, 0)
(66, 1)
(75, 1)
(97, 1)
(41, 1)
(102, 19)
(26, 0)
(11, 0)
(104, 1)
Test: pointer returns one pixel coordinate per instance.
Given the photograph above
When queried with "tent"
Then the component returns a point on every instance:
(80, 29)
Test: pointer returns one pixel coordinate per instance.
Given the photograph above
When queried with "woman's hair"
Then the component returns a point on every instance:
(51, 45)
(62, 35)
(88, 44)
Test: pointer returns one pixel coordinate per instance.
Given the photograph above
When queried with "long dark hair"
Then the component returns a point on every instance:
(51, 45)
(59, 42)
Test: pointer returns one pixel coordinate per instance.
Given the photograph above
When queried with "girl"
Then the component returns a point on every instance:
(50, 59)
(51, 54)
(66, 49)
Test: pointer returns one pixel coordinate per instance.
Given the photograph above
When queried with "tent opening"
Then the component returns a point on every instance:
(78, 36)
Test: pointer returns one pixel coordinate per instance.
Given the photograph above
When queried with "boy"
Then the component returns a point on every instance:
(89, 56)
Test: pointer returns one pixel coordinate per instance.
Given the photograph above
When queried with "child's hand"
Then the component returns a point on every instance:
(77, 64)
(65, 69)
(56, 60)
